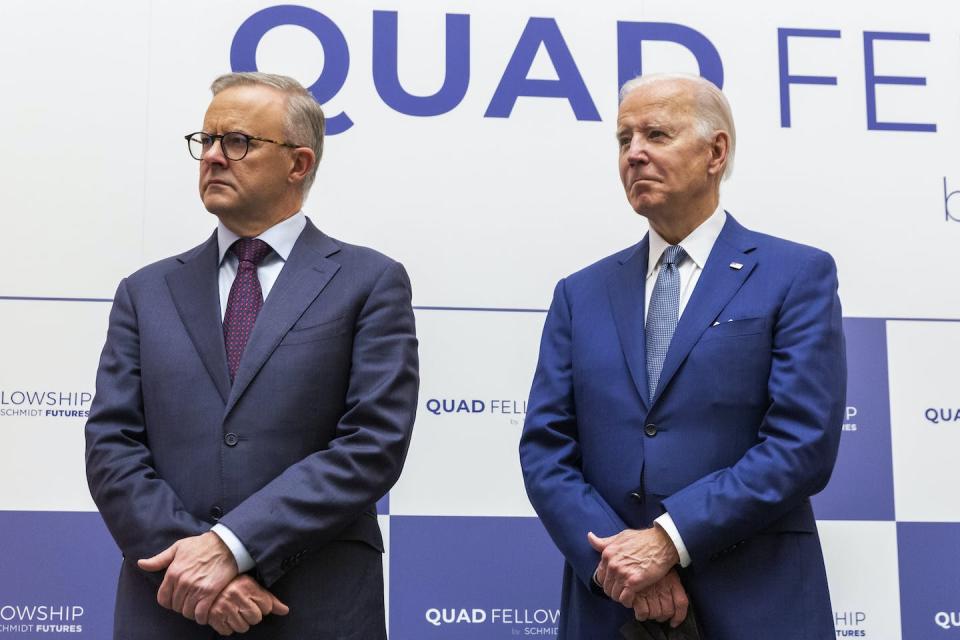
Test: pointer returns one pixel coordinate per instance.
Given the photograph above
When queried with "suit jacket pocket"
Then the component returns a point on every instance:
(322, 331)
(798, 520)
(731, 328)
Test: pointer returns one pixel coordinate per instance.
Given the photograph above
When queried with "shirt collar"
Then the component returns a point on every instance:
(281, 237)
(697, 245)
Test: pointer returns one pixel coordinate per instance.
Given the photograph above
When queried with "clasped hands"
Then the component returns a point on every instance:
(636, 570)
(202, 584)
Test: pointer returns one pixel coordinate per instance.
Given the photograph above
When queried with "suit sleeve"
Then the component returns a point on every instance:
(800, 433)
(319, 496)
(140, 509)
(550, 456)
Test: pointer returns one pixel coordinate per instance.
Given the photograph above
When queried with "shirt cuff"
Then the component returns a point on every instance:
(240, 554)
(666, 523)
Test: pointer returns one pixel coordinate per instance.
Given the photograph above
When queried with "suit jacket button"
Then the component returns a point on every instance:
(231, 439)
(216, 512)
(650, 430)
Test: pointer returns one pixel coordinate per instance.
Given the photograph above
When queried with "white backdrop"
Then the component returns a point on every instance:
(487, 213)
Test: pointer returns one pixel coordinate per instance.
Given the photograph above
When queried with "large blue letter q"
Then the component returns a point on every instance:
(336, 54)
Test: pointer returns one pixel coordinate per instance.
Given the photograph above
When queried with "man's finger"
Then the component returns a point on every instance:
(251, 615)
(665, 606)
(615, 581)
(680, 601)
(625, 598)
(613, 585)
(598, 543)
(655, 607)
(279, 609)
(267, 602)
(221, 627)
(160, 561)
(263, 600)
(184, 602)
(167, 588)
(641, 610)
(236, 622)
(202, 610)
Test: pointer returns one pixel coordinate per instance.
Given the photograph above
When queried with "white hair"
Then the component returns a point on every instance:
(304, 122)
(712, 111)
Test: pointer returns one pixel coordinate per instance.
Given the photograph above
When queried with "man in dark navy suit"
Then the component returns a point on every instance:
(255, 398)
(688, 400)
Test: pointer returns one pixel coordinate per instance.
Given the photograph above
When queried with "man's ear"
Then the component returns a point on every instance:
(719, 152)
(304, 160)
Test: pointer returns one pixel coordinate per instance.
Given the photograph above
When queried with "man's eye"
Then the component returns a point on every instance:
(656, 133)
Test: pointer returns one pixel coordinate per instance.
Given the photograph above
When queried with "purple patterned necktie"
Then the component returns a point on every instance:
(245, 299)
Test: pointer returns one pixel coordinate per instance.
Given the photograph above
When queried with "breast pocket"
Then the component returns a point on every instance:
(733, 361)
(314, 333)
(734, 328)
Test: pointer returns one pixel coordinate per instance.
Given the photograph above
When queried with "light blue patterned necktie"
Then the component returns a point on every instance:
(663, 314)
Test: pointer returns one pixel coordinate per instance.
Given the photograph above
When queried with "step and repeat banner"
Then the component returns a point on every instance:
(474, 142)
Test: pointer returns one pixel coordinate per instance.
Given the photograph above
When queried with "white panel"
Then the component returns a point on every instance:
(874, 199)
(71, 172)
(50, 353)
(925, 470)
(861, 559)
(476, 370)
(507, 206)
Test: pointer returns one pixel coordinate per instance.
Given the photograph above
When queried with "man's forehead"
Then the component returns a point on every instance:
(654, 103)
(253, 105)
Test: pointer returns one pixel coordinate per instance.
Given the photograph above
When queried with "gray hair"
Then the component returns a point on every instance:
(304, 122)
(712, 114)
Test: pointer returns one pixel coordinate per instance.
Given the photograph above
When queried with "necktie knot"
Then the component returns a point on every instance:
(252, 250)
(673, 254)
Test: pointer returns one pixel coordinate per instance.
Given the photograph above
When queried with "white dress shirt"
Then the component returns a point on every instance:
(281, 237)
(697, 246)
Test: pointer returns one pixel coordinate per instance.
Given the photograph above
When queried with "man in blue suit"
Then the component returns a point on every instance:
(255, 398)
(688, 400)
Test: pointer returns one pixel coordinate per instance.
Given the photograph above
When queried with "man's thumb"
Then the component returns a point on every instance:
(597, 542)
(279, 608)
(160, 561)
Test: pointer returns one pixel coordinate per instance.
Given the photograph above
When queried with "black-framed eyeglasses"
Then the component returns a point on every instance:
(235, 144)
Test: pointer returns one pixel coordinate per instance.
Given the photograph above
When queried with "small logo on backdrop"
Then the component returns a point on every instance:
(513, 409)
(947, 619)
(41, 618)
(849, 624)
(514, 622)
(39, 403)
(850, 419)
(942, 415)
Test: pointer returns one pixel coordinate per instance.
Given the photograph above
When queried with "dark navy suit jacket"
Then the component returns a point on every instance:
(743, 428)
(292, 456)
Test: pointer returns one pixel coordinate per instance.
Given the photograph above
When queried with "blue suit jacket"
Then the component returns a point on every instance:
(743, 428)
(292, 456)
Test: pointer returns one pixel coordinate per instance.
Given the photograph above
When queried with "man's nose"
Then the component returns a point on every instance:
(637, 151)
(215, 155)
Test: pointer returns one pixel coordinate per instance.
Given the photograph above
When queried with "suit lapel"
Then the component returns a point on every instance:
(717, 285)
(305, 274)
(626, 288)
(196, 295)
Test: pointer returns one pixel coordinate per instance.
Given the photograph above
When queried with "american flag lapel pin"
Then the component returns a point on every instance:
(736, 265)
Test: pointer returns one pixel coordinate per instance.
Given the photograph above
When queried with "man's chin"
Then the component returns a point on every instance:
(643, 206)
(216, 205)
